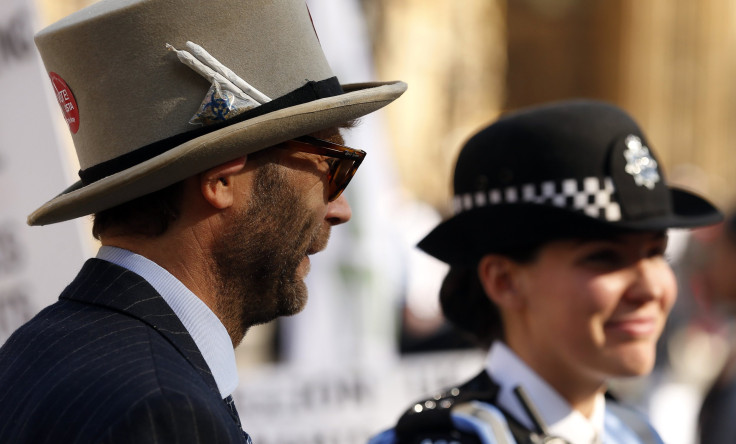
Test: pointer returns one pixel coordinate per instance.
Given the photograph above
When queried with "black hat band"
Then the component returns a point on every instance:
(593, 196)
(310, 91)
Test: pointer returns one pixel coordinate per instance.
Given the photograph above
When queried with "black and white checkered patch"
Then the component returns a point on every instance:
(592, 195)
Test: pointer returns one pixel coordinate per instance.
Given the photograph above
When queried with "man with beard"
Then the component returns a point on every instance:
(206, 230)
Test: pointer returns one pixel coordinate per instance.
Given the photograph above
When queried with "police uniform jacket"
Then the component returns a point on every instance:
(486, 410)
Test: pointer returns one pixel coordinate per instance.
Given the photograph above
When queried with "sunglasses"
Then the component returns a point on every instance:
(343, 161)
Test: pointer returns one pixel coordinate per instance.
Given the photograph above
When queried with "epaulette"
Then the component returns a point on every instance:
(430, 420)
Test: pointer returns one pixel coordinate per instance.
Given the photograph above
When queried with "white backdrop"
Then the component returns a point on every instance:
(353, 284)
(36, 263)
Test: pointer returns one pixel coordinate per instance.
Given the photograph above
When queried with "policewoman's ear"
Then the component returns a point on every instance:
(216, 184)
(497, 275)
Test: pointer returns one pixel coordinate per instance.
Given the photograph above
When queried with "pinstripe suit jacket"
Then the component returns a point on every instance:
(109, 363)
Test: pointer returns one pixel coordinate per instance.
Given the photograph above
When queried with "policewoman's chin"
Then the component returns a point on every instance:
(633, 359)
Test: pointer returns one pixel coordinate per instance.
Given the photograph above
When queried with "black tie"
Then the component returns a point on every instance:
(234, 413)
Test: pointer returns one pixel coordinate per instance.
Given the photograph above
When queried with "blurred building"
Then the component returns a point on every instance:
(668, 62)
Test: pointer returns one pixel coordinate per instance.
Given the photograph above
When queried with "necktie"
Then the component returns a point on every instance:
(234, 413)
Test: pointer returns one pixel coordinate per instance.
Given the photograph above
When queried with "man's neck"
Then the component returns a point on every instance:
(180, 255)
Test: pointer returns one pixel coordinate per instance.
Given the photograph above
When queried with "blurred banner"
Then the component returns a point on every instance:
(35, 263)
(344, 404)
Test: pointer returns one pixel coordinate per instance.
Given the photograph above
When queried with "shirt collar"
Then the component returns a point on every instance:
(509, 371)
(202, 324)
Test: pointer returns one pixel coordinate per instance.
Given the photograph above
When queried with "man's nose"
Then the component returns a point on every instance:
(338, 211)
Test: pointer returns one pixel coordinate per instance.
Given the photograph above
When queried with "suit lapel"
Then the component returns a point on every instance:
(107, 285)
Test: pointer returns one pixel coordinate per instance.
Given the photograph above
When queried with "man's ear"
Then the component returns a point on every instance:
(216, 183)
(497, 274)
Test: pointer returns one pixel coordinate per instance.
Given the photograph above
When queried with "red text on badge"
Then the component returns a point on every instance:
(66, 100)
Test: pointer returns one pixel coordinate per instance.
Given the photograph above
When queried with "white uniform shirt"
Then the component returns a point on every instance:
(509, 371)
(202, 324)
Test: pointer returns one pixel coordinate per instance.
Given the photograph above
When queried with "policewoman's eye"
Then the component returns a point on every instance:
(604, 258)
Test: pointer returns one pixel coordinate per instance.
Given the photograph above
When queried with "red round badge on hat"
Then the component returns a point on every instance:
(66, 101)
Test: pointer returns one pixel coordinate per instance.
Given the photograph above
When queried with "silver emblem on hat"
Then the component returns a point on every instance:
(640, 163)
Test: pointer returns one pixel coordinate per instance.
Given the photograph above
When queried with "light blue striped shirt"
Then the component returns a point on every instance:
(202, 324)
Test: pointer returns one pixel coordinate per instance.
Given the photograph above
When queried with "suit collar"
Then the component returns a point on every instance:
(108, 285)
(205, 328)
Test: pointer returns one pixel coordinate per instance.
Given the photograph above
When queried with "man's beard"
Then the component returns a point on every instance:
(257, 257)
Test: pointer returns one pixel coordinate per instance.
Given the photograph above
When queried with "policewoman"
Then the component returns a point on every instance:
(557, 254)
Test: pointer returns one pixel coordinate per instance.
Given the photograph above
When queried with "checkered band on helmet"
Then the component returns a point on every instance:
(593, 196)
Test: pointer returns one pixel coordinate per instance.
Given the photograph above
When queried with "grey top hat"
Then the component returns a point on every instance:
(128, 98)
(565, 169)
